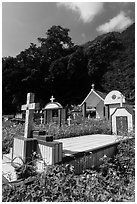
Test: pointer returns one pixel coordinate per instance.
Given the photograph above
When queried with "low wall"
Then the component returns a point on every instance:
(90, 159)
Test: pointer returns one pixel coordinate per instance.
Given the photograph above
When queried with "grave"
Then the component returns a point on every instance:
(35, 141)
(54, 112)
(23, 147)
(113, 100)
(69, 121)
(122, 120)
(93, 104)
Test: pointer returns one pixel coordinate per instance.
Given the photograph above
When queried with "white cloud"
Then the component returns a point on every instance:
(87, 11)
(118, 23)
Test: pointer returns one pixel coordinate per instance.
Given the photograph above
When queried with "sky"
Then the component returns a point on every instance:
(24, 22)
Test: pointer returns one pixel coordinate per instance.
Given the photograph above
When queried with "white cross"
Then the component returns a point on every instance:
(41, 120)
(69, 120)
(93, 86)
(52, 99)
(29, 107)
(74, 115)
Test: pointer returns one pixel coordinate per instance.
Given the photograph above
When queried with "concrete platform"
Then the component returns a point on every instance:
(86, 143)
(71, 147)
(8, 171)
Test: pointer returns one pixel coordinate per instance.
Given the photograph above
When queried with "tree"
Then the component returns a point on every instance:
(56, 44)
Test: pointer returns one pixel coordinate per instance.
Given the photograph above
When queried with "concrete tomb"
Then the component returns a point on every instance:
(54, 112)
(122, 120)
(23, 147)
(34, 141)
(93, 104)
(113, 100)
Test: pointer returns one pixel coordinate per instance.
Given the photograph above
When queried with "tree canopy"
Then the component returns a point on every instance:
(59, 67)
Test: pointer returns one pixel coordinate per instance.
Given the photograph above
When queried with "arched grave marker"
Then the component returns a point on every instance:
(54, 112)
(113, 100)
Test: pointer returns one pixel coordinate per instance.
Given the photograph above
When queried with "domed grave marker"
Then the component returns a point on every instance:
(54, 112)
(113, 100)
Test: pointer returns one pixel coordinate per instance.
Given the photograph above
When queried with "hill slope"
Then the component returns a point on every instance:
(108, 62)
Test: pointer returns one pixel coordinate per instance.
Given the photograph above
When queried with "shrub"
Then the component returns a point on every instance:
(112, 181)
(86, 127)
(9, 129)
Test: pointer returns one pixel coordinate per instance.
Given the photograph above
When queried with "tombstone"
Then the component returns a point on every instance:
(113, 100)
(122, 120)
(24, 146)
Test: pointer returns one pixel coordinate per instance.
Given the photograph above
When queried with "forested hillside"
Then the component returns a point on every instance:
(59, 67)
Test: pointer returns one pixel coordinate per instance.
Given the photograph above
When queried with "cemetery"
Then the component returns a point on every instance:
(76, 152)
(68, 102)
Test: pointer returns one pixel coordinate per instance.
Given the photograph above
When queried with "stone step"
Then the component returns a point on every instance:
(7, 158)
(10, 176)
(8, 172)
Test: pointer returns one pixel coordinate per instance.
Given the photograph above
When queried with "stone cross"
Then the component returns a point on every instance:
(69, 120)
(29, 108)
(52, 99)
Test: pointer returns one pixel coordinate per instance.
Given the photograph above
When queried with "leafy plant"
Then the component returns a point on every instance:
(108, 183)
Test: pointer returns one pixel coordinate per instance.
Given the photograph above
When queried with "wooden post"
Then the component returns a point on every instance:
(121, 102)
(59, 117)
(29, 107)
(84, 109)
(45, 116)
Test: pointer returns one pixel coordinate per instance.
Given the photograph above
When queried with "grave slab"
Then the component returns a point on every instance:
(74, 145)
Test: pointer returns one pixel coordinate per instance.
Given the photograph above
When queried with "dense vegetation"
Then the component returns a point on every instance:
(84, 127)
(113, 181)
(63, 69)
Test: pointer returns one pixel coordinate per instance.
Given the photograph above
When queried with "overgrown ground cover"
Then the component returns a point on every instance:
(77, 128)
(113, 181)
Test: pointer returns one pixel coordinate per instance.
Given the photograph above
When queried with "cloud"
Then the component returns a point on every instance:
(87, 11)
(118, 23)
